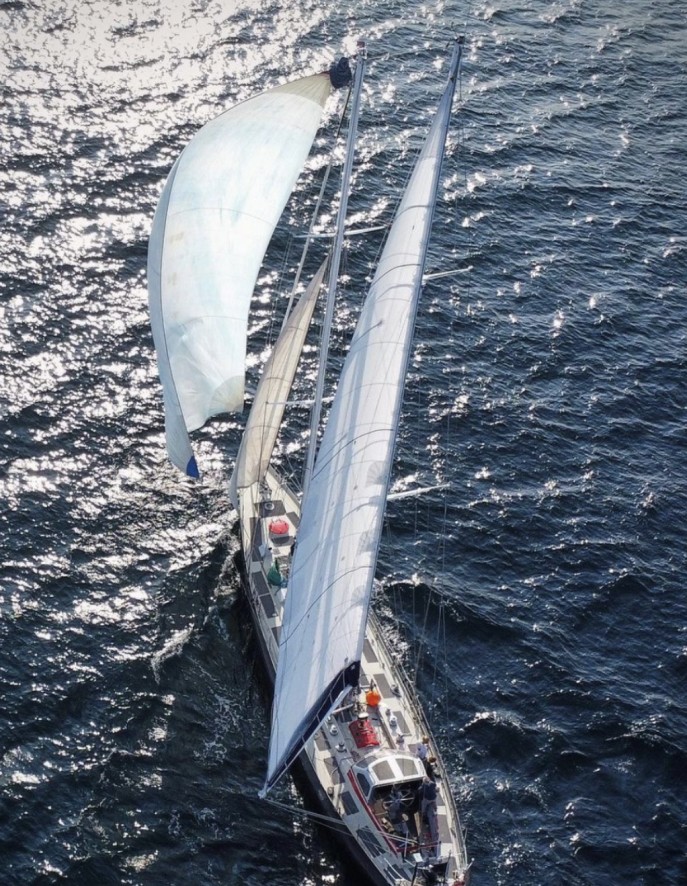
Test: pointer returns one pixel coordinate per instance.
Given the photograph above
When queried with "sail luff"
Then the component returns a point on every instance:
(216, 216)
(333, 566)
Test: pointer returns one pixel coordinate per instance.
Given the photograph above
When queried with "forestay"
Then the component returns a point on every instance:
(217, 212)
(334, 562)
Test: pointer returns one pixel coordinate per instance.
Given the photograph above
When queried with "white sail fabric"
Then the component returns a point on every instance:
(334, 562)
(267, 411)
(216, 215)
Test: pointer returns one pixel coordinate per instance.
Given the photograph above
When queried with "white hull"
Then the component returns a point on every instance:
(363, 750)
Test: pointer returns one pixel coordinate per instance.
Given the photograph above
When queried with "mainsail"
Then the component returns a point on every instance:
(332, 571)
(217, 212)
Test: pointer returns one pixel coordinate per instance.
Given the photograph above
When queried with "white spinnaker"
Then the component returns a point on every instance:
(267, 411)
(341, 522)
(216, 215)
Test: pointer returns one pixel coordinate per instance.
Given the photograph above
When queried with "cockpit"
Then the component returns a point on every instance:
(390, 786)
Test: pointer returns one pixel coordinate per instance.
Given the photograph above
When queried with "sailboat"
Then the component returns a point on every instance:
(344, 714)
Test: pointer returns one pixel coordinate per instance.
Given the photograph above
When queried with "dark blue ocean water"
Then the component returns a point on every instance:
(547, 390)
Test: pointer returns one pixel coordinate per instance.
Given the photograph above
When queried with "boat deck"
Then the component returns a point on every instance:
(363, 751)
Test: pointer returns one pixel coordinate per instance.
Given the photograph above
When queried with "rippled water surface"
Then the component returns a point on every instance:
(547, 390)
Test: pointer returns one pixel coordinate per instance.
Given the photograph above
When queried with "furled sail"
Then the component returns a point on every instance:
(217, 212)
(267, 411)
(342, 513)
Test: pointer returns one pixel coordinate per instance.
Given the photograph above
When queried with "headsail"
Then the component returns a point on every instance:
(267, 411)
(334, 563)
(217, 212)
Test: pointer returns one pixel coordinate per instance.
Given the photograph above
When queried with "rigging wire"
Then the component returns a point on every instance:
(436, 596)
(316, 212)
(420, 645)
(285, 261)
(323, 820)
(448, 440)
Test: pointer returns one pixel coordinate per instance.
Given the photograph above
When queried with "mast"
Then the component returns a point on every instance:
(335, 261)
(332, 571)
